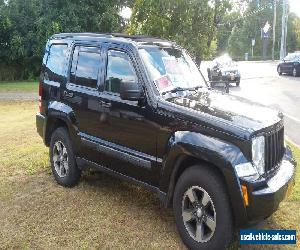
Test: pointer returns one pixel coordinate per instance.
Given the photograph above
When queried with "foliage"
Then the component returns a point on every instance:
(225, 29)
(296, 24)
(293, 38)
(205, 27)
(25, 26)
(192, 24)
(250, 24)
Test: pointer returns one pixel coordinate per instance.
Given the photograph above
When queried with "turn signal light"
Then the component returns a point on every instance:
(245, 195)
(40, 96)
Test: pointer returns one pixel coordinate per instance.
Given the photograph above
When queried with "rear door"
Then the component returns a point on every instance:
(82, 95)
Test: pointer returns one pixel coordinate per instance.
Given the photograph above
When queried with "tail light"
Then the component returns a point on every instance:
(40, 96)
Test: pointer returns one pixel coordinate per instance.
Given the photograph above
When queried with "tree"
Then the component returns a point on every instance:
(296, 24)
(250, 24)
(293, 33)
(225, 29)
(192, 24)
(25, 26)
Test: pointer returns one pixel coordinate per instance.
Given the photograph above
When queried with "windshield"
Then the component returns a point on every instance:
(171, 68)
(292, 57)
(224, 61)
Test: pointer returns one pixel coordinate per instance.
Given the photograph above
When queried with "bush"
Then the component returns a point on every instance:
(29, 69)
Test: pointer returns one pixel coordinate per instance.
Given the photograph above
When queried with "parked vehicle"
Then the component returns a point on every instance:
(290, 65)
(138, 108)
(224, 69)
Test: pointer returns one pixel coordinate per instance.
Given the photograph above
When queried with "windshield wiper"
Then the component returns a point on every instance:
(182, 89)
(196, 87)
(174, 90)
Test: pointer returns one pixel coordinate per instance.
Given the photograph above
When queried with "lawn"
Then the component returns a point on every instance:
(101, 212)
(19, 86)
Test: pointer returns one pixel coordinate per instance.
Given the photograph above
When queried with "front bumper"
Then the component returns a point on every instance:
(231, 78)
(265, 194)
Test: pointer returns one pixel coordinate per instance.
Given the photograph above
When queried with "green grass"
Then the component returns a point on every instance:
(295, 196)
(101, 212)
(19, 86)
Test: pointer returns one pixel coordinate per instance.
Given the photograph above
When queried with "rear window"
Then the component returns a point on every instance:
(55, 63)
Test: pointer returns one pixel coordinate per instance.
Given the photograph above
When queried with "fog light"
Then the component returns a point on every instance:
(245, 195)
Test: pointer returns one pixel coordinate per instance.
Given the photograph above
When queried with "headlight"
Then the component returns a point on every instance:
(258, 153)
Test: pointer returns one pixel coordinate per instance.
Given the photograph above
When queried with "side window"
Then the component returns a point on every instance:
(119, 69)
(85, 66)
(55, 63)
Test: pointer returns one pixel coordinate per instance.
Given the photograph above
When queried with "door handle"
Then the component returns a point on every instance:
(68, 94)
(105, 104)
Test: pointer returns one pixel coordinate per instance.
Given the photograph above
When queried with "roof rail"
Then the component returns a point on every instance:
(137, 38)
(131, 36)
(65, 35)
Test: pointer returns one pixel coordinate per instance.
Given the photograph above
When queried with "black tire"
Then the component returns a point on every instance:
(227, 84)
(209, 74)
(279, 70)
(295, 72)
(70, 173)
(238, 83)
(199, 176)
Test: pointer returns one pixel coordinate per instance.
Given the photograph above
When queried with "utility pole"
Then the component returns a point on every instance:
(274, 31)
(283, 30)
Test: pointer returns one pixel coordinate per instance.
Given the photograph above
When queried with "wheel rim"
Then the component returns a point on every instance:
(198, 214)
(60, 159)
(294, 72)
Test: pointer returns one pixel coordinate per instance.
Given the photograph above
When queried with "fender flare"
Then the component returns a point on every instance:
(60, 111)
(220, 155)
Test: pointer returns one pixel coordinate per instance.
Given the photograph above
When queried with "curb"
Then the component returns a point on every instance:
(292, 142)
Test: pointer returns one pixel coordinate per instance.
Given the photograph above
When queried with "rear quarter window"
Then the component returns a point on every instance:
(55, 65)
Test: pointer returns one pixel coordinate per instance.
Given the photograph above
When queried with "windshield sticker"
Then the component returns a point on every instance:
(163, 82)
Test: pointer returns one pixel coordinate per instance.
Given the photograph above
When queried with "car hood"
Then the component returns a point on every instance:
(226, 68)
(228, 110)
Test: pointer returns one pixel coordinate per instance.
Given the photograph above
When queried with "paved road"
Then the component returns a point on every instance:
(18, 96)
(261, 83)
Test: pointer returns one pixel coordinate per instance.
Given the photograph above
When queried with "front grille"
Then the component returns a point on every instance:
(274, 148)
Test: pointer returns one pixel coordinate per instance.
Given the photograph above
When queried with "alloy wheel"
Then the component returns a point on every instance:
(60, 159)
(198, 214)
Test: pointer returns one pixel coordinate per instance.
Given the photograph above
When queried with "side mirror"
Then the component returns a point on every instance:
(130, 91)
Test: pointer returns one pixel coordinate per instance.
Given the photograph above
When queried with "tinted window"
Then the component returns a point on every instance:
(85, 66)
(119, 69)
(55, 63)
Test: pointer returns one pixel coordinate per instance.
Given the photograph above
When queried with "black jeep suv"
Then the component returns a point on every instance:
(138, 108)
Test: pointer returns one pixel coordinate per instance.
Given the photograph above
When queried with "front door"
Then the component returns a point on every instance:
(127, 132)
